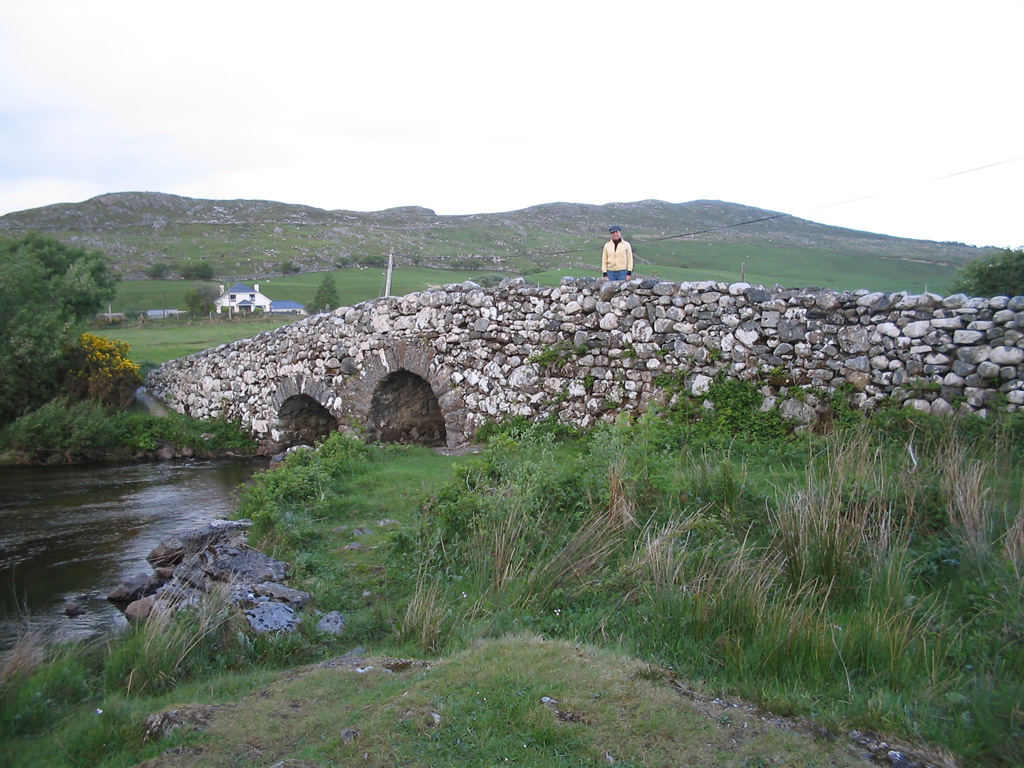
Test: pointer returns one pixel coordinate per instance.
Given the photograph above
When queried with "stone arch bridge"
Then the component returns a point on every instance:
(432, 367)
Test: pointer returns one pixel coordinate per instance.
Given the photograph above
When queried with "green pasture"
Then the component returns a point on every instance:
(154, 342)
(790, 267)
(354, 284)
(677, 261)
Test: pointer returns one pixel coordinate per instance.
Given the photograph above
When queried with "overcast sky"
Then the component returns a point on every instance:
(473, 107)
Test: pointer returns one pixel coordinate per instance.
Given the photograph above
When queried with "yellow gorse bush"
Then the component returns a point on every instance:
(103, 371)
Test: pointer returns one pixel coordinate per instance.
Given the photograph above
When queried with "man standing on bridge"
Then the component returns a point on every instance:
(617, 259)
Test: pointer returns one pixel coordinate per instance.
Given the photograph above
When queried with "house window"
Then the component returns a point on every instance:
(252, 297)
(234, 298)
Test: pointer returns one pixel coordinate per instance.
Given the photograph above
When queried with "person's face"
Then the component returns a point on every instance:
(616, 235)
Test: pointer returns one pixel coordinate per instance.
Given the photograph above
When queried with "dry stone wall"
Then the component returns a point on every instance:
(587, 350)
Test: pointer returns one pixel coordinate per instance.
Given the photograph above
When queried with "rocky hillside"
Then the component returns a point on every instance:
(243, 238)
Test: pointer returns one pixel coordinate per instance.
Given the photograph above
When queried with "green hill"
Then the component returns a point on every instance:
(702, 239)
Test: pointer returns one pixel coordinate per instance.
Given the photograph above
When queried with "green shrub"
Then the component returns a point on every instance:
(555, 356)
(158, 270)
(101, 370)
(142, 432)
(276, 501)
(69, 431)
(737, 413)
(997, 274)
(520, 427)
(62, 428)
(201, 270)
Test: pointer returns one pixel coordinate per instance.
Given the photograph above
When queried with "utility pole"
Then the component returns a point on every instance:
(391, 269)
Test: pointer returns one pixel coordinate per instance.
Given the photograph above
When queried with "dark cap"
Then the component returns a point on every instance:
(615, 228)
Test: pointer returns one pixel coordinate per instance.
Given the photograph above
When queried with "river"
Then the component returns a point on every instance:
(71, 534)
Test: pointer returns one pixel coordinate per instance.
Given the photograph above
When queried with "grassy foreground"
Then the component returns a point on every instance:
(584, 600)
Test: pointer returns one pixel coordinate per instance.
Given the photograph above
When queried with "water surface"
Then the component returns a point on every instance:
(71, 534)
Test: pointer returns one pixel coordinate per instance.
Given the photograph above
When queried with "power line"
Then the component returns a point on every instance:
(715, 229)
(921, 183)
(979, 168)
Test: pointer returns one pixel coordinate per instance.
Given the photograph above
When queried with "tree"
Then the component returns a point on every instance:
(158, 270)
(326, 297)
(201, 300)
(998, 274)
(201, 270)
(47, 290)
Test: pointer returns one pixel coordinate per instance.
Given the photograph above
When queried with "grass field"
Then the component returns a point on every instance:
(154, 342)
(262, 238)
(791, 268)
(353, 285)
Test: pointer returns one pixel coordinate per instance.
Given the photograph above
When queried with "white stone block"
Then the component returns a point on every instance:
(1007, 355)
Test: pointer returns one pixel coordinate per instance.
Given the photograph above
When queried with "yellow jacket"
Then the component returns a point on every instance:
(617, 256)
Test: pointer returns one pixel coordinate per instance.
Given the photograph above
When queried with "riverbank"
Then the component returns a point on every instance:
(63, 432)
(70, 534)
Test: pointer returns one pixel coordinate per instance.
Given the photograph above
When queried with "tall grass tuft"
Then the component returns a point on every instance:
(1013, 544)
(27, 653)
(654, 563)
(832, 529)
(589, 548)
(427, 619)
(964, 485)
(170, 646)
(39, 683)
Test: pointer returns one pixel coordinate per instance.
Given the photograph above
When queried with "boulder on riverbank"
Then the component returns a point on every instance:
(135, 588)
(172, 551)
(190, 565)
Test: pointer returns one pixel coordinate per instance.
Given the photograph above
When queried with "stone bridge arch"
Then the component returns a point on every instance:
(404, 409)
(404, 397)
(301, 408)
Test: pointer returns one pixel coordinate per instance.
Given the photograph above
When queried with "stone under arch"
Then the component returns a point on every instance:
(404, 409)
(301, 420)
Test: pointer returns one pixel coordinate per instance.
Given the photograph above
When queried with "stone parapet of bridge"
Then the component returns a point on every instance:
(432, 367)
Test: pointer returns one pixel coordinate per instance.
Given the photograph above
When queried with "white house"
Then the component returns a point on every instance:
(243, 298)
